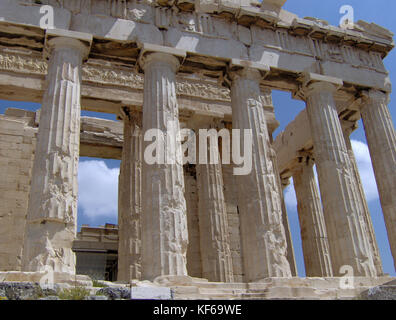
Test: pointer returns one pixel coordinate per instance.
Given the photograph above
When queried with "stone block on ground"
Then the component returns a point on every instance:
(386, 292)
(151, 293)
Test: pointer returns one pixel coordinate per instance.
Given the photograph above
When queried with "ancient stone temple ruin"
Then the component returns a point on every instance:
(197, 228)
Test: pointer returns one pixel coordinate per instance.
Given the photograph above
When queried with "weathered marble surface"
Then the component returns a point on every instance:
(313, 228)
(164, 218)
(262, 231)
(213, 223)
(348, 243)
(381, 140)
(52, 211)
(130, 200)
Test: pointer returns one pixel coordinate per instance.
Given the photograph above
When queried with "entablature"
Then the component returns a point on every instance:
(212, 36)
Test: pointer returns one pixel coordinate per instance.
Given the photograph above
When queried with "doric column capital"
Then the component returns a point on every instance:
(285, 182)
(245, 73)
(374, 95)
(127, 113)
(348, 126)
(316, 83)
(306, 159)
(241, 69)
(153, 54)
(58, 39)
(160, 58)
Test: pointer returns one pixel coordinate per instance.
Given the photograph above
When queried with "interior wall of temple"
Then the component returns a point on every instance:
(17, 145)
(194, 263)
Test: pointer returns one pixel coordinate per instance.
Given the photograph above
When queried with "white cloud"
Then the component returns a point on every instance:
(290, 197)
(98, 189)
(366, 172)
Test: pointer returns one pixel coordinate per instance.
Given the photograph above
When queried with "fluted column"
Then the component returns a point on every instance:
(213, 224)
(366, 217)
(347, 243)
(312, 224)
(263, 236)
(164, 220)
(285, 219)
(52, 211)
(129, 205)
(381, 140)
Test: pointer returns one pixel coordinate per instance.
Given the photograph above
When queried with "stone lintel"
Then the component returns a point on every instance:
(206, 117)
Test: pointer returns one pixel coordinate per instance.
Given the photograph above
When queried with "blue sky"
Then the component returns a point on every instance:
(98, 178)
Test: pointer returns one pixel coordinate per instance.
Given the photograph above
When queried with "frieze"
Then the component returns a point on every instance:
(109, 75)
(22, 63)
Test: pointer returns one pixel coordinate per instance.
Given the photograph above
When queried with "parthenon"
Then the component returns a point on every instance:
(198, 228)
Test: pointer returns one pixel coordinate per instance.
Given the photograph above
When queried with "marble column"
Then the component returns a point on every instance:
(361, 197)
(289, 241)
(381, 140)
(285, 219)
(52, 210)
(164, 219)
(263, 236)
(347, 242)
(213, 224)
(130, 204)
(313, 230)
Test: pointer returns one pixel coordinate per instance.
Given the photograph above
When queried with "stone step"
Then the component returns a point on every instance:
(185, 290)
(221, 285)
(270, 294)
(279, 288)
(221, 290)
